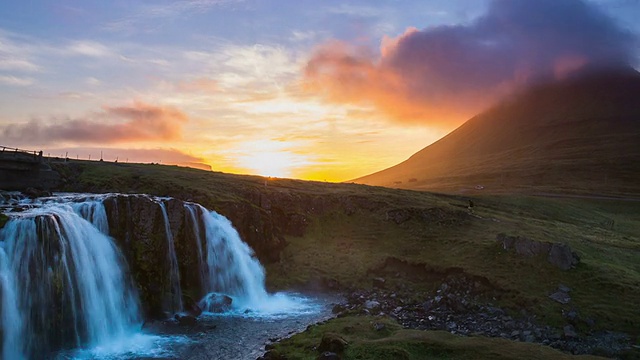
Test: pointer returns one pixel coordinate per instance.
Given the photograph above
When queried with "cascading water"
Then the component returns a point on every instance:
(64, 284)
(174, 276)
(71, 277)
(230, 268)
(10, 317)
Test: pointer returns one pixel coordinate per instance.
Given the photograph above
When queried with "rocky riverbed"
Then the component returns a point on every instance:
(463, 305)
(229, 335)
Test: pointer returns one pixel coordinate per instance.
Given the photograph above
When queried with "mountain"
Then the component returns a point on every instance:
(580, 135)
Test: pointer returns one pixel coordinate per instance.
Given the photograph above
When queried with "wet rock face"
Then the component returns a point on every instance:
(137, 224)
(558, 254)
(257, 228)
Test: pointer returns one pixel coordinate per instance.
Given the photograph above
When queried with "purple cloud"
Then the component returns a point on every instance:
(447, 73)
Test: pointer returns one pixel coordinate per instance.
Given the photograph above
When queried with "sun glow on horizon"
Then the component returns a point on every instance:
(271, 158)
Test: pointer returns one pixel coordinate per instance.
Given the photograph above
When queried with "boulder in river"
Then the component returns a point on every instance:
(216, 303)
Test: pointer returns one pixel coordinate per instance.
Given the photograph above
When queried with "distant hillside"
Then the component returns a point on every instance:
(581, 135)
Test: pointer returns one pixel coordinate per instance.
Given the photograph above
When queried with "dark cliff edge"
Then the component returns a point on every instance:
(20, 170)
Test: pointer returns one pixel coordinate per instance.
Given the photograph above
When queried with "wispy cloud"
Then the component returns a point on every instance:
(90, 49)
(148, 18)
(16, 81)
(16, 54)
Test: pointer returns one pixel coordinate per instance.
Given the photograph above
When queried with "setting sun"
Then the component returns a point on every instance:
(270, 158)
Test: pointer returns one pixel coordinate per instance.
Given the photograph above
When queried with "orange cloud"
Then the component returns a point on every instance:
(345, 74)
(136, 122)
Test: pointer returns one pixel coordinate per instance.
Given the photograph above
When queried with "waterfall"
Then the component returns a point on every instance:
(193, 213)
(66, 286)
(10, 318)
(71, 278)
(94, 212)
(231, 267)
(174, 275)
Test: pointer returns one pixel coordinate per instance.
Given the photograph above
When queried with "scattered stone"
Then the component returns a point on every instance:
(561, 297)
(523, 246)
(371, 304)
(460, 306)
(379, 326)
(570, 332)
(571, 316)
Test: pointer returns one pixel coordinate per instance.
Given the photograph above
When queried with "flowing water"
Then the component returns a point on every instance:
(176, 291)
(59, 269)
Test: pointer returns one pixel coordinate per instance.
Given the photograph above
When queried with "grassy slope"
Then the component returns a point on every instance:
(606, 284)
(395, 343)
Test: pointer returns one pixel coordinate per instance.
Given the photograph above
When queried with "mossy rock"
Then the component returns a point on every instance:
(3, 220)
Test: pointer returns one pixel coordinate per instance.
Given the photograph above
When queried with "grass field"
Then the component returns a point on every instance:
(395, 343)
(343, 244)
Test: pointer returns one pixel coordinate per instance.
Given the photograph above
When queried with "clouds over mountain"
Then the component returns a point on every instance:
(448, 73)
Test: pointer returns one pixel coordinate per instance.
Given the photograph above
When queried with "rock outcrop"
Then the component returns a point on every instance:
(559, 255)
(137, 224)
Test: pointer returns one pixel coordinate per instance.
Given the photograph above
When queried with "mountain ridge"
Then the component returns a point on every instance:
(577, 135)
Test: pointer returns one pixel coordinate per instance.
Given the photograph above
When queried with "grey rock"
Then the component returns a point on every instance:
(216, 303)
(561, 297)
(371, 304)
(570, 332)
(379, 326)
(562, 257)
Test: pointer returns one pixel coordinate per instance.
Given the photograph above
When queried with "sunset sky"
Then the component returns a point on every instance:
(322, 90)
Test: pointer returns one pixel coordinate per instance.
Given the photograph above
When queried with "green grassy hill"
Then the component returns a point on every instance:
(351, 231)
(576, 136)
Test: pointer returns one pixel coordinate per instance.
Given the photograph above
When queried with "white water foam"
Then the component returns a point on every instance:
(233, 270)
